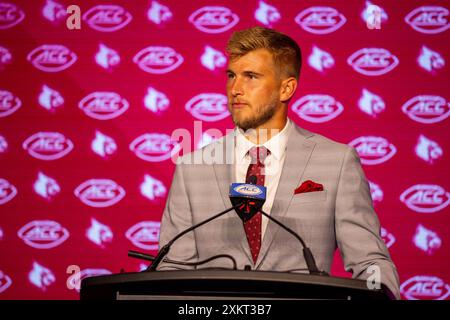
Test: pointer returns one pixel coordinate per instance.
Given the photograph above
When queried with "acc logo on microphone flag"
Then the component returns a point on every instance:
(154, 147)
(373, 150)
(429, 19)
(426, 108)
(213, 19)
(317, 108)
(107, 18)
(11, 15)
(43, 234)
(9, 103)
(144, 235)
(425, 198)
(7, 191)
(372, 61)
(320, 20)
(52, 57)
(208, 107)
(99, 193)
(103, 105)
(158, 59)
(424, 287)
(247, 190)
(47, 145)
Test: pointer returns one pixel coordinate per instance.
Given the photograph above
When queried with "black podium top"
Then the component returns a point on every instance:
(226, 284)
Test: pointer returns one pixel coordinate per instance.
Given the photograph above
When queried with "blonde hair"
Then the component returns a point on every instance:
(285, 51)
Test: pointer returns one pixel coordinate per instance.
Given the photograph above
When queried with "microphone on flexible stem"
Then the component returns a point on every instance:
(165, 249)
(252, 199)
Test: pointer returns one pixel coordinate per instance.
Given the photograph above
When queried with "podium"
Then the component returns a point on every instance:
(220, 284)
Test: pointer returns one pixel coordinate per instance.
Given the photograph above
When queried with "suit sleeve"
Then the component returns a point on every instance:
(176, 218)
(358, 228)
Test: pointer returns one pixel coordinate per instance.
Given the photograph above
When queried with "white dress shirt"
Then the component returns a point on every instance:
(273, 164)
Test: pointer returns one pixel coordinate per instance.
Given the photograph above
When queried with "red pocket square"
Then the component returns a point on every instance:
(308, 186)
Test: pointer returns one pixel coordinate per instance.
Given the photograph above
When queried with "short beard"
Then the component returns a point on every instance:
(264, 114)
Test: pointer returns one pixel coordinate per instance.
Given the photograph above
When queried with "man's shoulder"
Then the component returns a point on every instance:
(322, 142)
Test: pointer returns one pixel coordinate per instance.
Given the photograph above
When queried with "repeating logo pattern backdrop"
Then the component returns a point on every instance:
(87, 119)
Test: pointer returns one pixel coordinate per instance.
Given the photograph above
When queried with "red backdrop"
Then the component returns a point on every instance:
(86, 118)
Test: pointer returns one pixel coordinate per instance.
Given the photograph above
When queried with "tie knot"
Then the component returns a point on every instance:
(258, 154)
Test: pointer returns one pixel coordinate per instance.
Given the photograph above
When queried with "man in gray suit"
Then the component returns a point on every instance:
(315, 186)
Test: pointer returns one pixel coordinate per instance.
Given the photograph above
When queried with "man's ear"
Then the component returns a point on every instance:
(287, 89)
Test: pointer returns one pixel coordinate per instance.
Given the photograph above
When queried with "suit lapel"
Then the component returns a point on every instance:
(298, 153)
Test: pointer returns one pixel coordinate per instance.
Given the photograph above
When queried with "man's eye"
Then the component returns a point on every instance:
(230, 75)
(252, 76)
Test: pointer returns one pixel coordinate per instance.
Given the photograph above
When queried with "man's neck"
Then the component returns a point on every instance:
(266, 131)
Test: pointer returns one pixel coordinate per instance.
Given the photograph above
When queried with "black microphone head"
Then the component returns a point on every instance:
(252, 179)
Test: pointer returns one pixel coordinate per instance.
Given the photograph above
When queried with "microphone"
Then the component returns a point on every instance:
(252, 199)
(165, 249)
(149, 257)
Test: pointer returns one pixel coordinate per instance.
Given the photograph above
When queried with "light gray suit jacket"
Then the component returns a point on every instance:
(340, 216)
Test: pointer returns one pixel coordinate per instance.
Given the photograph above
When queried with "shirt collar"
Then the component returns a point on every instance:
(276, 144)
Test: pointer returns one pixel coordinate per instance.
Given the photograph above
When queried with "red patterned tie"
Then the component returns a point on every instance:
(253, 226)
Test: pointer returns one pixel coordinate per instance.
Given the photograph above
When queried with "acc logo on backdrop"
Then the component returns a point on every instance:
(158, 59)
(107, 18)
(373, 150)
(74, 281)
(425, 198)
(5, 281)
(320, 20)
(99, 233)
(213, 19)
(208, 107)
(372, 61)
(41, 276)
(99, 193)
(43, 234)
(317, 108)
(426, 240)
(10, 14)
(103, 105)
(7, 191)
(154, 147)
(144, 235)
(46, 187)
(52, 57)
(47, 145)
(428, 19)
(9, 103)
(5, 57)
(427, 108)
(425, 288)
(371, 103)
(387, 237)
(428, 150)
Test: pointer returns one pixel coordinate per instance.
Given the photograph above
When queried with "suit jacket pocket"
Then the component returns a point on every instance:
(310, 197)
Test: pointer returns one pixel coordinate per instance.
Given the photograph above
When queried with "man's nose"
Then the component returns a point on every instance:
(236, 87)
